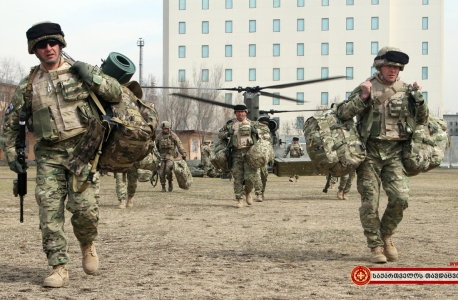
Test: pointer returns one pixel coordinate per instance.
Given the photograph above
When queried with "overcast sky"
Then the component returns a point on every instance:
(92, 33)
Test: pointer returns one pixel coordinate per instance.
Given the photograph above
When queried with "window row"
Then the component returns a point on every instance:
(300, 49)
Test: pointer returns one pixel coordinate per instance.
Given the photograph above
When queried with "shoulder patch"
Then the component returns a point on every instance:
(9, 109)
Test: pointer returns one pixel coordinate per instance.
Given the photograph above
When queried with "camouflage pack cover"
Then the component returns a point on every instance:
(256, 156)
(144, 175)
(426, 148)
(267, 149)
(182, 174)
(218, 156)
(132, 133)
(333, 146)
(150, 162)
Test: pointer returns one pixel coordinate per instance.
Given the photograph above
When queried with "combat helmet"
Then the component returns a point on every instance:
(165, 124)
(43, 31)
(390, 56)
(240, 107)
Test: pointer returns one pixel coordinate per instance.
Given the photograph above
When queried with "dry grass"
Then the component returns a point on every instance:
(299, 244)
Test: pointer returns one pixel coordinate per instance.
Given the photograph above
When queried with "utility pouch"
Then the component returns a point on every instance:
(44, 125)
(404, 129)
(85, 112)
(395, 109)
(245, 130)
(376, 123)
(73, 89)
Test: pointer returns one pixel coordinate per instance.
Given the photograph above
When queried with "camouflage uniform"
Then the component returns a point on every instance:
(54, 181)
(295, 151)
(260, 185)
(205, 157)
(123, 191)
(166, 145)
(383, 165)
(345, 182)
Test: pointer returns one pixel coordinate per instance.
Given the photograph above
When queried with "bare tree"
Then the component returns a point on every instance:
(11, 71)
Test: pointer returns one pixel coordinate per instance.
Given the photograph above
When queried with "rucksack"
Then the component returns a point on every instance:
(426, 148)
(182, 174)
(333, 146)
(218, 156)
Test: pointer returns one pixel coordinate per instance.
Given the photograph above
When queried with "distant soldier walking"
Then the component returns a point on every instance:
(345, 185)
(295, 151)
(264, 134)
(205, 157)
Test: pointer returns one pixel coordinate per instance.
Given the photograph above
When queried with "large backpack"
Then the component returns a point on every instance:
(426, 148)
(182, 174)
(333, 146)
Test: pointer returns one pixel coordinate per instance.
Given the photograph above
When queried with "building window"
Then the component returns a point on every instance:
(252, 74)
(228, 98)
(228, 4)
(182, 27)
(373, 71)
(424, 73)
(228, 75)
(181, 51)
(228, 26)
(324, 49)
(300, 122)
(276, 3)
(350, 25)
(182, 4)
(252, 50)
(349, 73)
(425, 96)
(276, 25)
(181, 75)
(424, 23)
(204, 51)
(324, 72)
(228, 50)
(425, 2)
(424, 48)
(300, 3)
(374, 2)
(300, 49)
(276, 101)
(324, 98)
(205, 4)
(300, 99)
(276, 49)
(205, 75)
(350, 2)
(347, 94)
(324, 2)
(300, 73)
(205, 27)
(374, 23)
(252, 3)
(349, 48)
(374, 48)
(300, 24)
(276, 74)
(252, 25)
(324, 24)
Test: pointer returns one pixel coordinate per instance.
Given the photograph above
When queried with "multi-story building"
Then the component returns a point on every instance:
(452, 124)
(269, 42)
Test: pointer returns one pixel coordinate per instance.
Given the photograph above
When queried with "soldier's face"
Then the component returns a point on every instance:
(390, 73)
(241, 115)
(165, 130)
(48, 55)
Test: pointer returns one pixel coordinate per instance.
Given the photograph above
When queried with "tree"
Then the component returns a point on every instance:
(11, 71)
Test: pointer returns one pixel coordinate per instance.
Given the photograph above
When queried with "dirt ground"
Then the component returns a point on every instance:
(195, 244)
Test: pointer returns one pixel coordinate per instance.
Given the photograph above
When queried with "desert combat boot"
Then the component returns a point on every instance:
(377, 255)
(90, 259)
(130, 202)
(163, 188)
(239, 203)
(340, 194)
(389, 249)
(122, 204)
(259, 198)
(249, 200)
(58, 277)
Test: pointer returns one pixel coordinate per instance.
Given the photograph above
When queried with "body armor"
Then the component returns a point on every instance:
(242, 134)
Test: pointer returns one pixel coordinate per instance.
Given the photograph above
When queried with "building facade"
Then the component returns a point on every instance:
(270, 42)
(452, 124)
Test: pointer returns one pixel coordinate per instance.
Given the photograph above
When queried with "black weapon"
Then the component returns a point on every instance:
(154, 178)
(20, 185)
(328, 183)
(229, 157)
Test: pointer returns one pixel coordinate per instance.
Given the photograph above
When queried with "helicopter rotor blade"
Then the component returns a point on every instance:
(273, 111)
(177, 88)
(226, 105)
(279, 96)
(281, 86)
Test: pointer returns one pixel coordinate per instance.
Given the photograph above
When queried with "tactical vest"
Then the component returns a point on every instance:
(58, 100)
(295, 150)
(166, 144)
(391, 118)
(242, 134)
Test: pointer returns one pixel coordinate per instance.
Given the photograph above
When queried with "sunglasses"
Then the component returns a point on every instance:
(44, 43)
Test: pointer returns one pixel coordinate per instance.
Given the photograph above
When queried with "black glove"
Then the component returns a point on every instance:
(183, 157)
(230, 132)
(80, 68)
(16, 167)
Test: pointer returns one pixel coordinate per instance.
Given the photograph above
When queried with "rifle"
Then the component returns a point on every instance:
(328, 183)
(20, 184)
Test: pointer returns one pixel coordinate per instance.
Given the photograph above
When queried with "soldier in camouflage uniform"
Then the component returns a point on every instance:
(123, 191)
(263, 133)
(387, 110)
(345, 185)
(295, 151)
(241, 133)
(58, 113)
(166, 142)
(205, 157)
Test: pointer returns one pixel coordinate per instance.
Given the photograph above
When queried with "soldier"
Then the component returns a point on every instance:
(205, 155)
(345, 185)
(241, 133)
(295, 151)
(131, 178)
(387, 109)
(58, 113)
(166, 142)
(263, 133)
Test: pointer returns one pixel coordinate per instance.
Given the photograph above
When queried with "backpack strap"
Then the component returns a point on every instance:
(28, 89)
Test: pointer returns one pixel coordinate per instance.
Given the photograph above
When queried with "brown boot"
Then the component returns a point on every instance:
(249, 200)
(340, 194)
(130, 202)
(377, 255)
(345, 196)
(163, 188)
(239, 203)
(259, 198)
(58, 277)
(290, 179)
(122, 204)
(90, 258)
(389, 249)
(170, 186)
